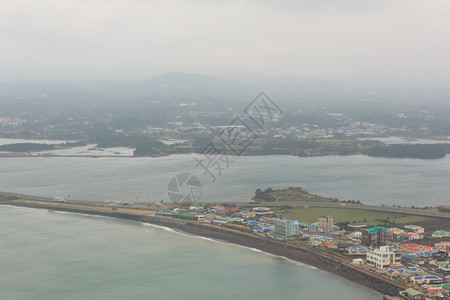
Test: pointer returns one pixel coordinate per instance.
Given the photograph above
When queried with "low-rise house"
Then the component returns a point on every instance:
(248, 215)
(427, 279)
(399, 272)
(262, 212)
(357, 234)
(358, 261)
(225, 210)
(353, 250)
(435, 290)
(261, 209)
(445, 269)
(410, 258)
(413, 294)
(414, 248)
(329, 245)
(270, 220)
(414, 228)
(218, 221)
(413, 236)
(395, 234)
(445, 286)
(441, 233)
(443, 246)
(197, 208)
(313, 227)
(237, 220)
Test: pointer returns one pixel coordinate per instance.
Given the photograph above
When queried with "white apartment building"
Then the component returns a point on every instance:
(381, 258)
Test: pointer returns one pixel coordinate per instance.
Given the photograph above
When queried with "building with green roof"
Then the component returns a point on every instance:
(185, 215)
(375, 236)
(441, 233)
(445, 286)
(414, 294)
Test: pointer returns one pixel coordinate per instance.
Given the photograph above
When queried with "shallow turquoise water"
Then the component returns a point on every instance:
(51, 255)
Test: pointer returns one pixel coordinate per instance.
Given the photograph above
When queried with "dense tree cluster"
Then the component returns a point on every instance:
(264, 195)
(410, 151)
(33, 147)
(26, 147)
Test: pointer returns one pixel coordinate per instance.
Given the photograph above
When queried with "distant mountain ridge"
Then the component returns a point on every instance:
(174, 79)
(179, 86)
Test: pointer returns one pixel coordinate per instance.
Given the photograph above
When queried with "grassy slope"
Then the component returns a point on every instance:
(288, 195)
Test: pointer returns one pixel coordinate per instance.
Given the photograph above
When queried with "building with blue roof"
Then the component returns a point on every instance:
(424, 253)
(252, 223)
(427, 279)
(313, 227)
(353, 250)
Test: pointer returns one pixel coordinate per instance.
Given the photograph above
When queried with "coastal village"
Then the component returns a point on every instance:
(398, 254)
(180, 126)
(402, 262)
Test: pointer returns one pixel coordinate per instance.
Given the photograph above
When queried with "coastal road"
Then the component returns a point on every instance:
(24, 196)
(43, 198)
(73, 201)
(391, 209)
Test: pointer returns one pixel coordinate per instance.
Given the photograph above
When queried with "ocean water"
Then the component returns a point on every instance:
(370, 180)
(53, 255)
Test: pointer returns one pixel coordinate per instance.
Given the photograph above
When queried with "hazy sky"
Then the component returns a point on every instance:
(93, 39)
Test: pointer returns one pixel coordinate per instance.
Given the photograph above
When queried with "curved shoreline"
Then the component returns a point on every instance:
(305, 255)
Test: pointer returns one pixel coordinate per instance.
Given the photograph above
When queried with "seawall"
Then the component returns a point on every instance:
(301, 254)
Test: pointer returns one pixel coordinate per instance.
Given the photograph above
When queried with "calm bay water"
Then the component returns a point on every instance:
(371, 180)
(50, 255)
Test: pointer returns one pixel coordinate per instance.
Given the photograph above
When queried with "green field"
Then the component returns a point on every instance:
(353, 216)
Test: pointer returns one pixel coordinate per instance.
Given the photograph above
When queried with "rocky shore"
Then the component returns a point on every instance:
(301, 254)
